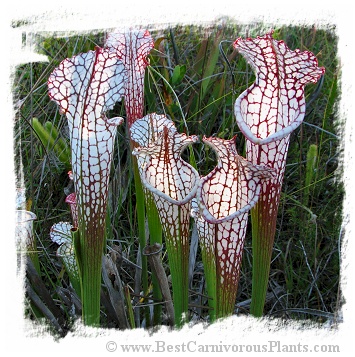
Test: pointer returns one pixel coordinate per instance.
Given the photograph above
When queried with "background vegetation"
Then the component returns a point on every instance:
(195, 77)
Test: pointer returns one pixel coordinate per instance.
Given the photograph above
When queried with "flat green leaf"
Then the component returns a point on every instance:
(178, 74)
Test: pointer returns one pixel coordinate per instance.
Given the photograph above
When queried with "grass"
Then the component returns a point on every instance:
(191, 81)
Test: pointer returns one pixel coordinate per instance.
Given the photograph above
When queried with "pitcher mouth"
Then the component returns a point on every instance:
(23, 216)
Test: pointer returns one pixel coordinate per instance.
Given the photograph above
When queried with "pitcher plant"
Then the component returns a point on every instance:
(85, 87)
(267, 113)
(168, 190)
(223, 200)
(173, 183)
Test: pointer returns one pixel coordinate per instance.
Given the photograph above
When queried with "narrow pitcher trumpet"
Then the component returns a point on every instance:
(267, 113)
(223, 200)
(85, 87)
(173, 183)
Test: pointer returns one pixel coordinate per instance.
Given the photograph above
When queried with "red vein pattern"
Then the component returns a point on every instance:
(223, 200)
(267, 113)
(71, 200)
(173, 183)
(272, 107)
(172, 180)
(132, 47)
(144, 133)
(85, 87)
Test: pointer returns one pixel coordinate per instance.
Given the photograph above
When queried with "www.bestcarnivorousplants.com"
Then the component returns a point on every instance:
(193, 346)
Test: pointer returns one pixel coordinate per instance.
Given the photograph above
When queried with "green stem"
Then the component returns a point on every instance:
(263, 233)
(88, 253)
(179, 280)
(178, 255)
(91, 288)
(209, 265)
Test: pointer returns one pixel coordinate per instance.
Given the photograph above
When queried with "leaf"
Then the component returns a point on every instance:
(146, 130)
(48, 135)
(178, 74)
(274, 105)
(223, 199)
(60, 233)
(165, 173)
(71, 200)
(173, 183)
(132, 48)
(85, 87)
(232, 187)
(267, 113)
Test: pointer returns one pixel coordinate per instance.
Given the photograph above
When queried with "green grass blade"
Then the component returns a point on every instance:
(312, 156)
(140, 207)
(155, 236)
